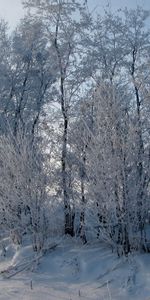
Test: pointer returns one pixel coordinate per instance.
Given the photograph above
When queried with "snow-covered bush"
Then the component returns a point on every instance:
(22, 189)
(112, 167)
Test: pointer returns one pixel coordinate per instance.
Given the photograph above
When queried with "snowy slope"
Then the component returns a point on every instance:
(73, 272)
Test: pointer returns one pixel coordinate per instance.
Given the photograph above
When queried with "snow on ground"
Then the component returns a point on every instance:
(73, 271)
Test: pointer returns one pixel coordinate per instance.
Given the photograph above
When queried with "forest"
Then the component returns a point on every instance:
(75, 126)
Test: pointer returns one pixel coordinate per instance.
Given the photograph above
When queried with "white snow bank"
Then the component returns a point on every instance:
(72, 271)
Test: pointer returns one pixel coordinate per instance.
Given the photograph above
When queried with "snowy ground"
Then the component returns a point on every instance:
(73, 272)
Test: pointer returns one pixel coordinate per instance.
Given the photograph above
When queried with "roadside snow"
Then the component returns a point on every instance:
(71, 272)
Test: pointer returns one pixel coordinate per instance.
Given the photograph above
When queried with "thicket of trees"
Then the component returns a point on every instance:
(75, 124)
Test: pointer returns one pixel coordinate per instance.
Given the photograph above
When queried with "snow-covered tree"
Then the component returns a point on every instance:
(63, 32)
(22, 188)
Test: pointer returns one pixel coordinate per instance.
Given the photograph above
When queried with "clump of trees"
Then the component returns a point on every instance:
(74, 124)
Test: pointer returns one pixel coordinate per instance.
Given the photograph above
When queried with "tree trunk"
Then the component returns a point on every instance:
(83, 200)
(68, 212)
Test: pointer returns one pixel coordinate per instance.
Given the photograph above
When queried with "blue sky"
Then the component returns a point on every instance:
(12, 10)
(115, 4)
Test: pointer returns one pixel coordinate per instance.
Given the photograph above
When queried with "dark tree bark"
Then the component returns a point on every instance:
(68, 212)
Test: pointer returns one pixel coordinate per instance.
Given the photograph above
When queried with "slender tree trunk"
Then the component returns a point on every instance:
(68, 210)
(140, 174)
(140, 147)
(83, 200)
(69, 216)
